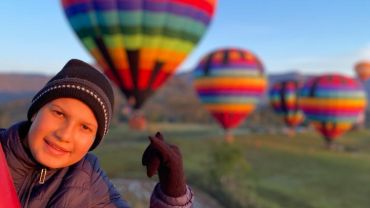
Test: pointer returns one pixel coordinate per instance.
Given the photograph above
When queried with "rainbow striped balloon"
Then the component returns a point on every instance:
(230, 83)
(332, 103)
(284, 100)
(139, 43)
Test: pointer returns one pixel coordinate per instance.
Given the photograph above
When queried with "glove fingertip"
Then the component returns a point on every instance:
(159, 135)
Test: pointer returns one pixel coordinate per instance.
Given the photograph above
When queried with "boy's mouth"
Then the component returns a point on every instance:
(56, 149)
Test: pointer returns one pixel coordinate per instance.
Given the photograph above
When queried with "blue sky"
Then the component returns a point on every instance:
(314, 36)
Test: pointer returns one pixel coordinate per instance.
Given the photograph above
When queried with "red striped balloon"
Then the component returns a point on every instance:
(229, 83)
(332, 103)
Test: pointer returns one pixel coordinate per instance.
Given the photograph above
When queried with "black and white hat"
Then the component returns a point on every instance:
(79, 80)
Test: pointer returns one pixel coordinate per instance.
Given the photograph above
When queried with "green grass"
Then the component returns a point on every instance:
(277, 171)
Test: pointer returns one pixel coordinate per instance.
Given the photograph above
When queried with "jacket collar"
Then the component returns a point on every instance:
(17, 154)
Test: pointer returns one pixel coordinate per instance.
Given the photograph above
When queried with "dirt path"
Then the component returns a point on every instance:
(137, 194)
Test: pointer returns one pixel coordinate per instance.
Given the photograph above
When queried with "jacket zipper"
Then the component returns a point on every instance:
(42, 176)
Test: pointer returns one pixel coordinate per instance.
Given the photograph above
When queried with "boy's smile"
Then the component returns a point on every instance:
(55, 149)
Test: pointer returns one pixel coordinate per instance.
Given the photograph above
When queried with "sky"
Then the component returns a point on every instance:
(310, 37)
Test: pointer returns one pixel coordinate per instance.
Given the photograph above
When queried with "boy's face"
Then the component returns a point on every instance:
(62, 132)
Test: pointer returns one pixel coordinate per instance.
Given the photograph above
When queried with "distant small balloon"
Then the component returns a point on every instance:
(283, 97)
(332, 103)
(362, 70)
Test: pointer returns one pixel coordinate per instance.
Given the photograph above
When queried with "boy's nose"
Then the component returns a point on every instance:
(65, 132)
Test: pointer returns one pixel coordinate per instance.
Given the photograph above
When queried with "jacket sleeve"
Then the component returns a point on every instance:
(160, 200)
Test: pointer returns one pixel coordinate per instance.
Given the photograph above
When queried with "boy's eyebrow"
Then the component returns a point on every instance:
(55, 105)
(89, 124)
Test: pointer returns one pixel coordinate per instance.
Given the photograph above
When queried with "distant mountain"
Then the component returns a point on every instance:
(17, 83)
(20, 86)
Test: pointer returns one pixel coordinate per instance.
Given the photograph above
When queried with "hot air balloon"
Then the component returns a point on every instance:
(362, 69)
(139, 44)
(229, 83)
(332, 103)
(284, 100)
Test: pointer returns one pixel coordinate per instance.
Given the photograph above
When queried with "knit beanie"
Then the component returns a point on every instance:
(79, 80)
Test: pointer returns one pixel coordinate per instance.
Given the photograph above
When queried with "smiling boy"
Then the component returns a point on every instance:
(49, 154)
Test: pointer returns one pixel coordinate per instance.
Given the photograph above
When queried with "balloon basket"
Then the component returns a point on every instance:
(138, 122)
(229, 137)
(290, 132)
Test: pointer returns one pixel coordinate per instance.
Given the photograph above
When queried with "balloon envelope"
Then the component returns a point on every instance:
(332, 103)
(229, 83)
(284, 100)
(139, 44)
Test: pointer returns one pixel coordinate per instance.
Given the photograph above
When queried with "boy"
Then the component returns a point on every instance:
(48, 155)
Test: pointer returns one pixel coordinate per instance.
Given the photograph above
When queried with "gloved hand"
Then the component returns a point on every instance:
(165, 159)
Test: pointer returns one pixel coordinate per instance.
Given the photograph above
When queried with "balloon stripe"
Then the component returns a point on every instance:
(130, 21)
(246, 65)
(207, 6)
(154, 7)
(214, 84)
(331, 118)
(331, 103)
(336, 93)
(351, 110)
(222, 92)
(340, 125)
(230, 107)
(170, 36)
(228, 99)
(228, 72)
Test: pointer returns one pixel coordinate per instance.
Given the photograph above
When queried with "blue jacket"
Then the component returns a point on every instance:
(83, 184)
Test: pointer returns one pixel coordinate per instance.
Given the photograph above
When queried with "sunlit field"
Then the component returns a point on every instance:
(259, 169)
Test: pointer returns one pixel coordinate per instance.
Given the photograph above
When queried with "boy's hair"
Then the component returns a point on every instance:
(79, 80)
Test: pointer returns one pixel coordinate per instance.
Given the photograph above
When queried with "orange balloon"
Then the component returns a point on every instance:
(362, 69)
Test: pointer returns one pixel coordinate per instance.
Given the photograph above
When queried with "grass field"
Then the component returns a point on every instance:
(258, 169)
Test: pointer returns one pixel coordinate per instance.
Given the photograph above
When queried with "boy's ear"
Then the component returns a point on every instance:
(33, 117)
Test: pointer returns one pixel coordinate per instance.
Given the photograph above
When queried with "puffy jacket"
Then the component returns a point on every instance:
(83, 184)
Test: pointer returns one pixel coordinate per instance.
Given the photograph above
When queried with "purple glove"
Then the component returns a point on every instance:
(165, 159)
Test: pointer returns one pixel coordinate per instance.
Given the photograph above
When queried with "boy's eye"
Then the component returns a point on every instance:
(58, 113)
(85, 127)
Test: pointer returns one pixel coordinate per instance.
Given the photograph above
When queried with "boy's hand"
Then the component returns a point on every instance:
(166, 160)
